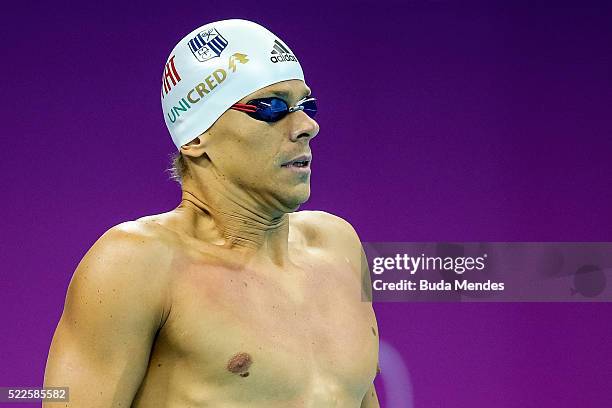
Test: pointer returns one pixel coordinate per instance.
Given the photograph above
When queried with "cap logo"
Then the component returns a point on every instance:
(170, 75)
(207, 44)
(280, 53)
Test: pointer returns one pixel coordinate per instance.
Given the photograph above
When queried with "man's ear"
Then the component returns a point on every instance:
(195, 148)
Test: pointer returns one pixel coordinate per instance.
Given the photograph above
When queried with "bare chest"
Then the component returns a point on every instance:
(276, 333)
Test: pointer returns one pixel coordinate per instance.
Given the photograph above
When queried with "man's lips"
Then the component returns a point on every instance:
(299, 162)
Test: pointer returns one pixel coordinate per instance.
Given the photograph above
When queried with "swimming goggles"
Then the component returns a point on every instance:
(274, 109)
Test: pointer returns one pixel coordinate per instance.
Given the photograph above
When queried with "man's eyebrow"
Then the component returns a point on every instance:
(285, 94)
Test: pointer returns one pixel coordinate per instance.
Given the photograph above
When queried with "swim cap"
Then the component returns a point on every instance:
(214, 67)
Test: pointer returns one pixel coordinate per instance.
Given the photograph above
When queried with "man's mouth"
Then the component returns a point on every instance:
(302, 161)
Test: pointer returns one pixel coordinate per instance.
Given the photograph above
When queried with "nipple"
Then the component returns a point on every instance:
(239, 364)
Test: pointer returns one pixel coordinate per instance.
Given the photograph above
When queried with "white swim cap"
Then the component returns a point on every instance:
(214, 67)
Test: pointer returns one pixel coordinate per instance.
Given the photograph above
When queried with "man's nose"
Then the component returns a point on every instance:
(302, 126)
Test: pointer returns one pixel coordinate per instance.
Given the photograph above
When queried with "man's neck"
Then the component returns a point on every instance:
(238, 223)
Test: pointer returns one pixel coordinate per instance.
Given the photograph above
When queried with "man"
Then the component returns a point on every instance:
(232, 299)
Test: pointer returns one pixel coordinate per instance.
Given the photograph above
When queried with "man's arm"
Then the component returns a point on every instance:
(114, 307)
(351, 245)
(370, 399)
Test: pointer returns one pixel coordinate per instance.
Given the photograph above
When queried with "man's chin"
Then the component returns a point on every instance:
(294, 199)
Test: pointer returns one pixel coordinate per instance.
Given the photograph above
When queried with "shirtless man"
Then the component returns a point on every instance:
(233, 299)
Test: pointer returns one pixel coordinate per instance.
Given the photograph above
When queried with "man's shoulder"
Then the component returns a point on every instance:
(325, 228)
(322, 219)
(119, 286)
(132, 251)
(142, 235)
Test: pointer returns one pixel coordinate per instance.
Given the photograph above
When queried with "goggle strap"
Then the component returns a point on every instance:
(243, 107)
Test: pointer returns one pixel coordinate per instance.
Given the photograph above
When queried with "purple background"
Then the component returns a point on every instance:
(439, 121)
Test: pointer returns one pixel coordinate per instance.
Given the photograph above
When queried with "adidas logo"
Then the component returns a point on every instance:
(280, 53)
